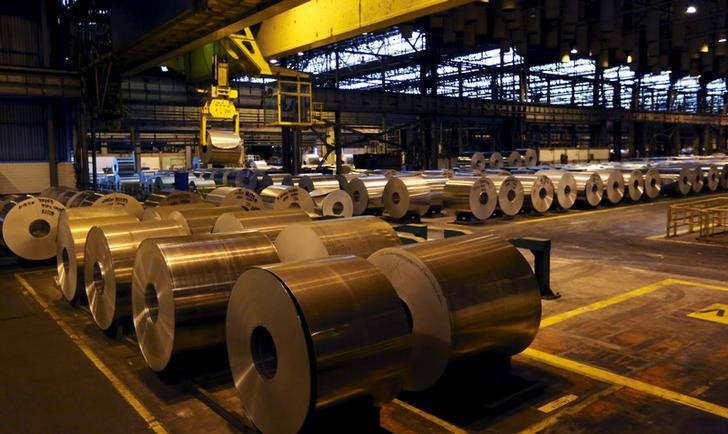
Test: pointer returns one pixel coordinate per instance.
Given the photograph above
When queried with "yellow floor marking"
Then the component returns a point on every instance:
(557, 403)
(616, 379)
(124, 391)
(554, 319)
(572, 409)
(696, 284)
(434, 419)
(715, 312)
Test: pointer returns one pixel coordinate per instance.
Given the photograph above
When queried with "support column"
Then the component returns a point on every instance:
(617, 140)
(337, 120)
(287, 150)
(52, 146)
(137, 147)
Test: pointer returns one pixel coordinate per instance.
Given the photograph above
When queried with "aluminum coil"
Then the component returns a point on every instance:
(613, 182)
(466, 296)
(200, 221)
(437, 188)
(333, 203)
(264, 181)
(224, 147)
(71, 244)
(123, 166)
(698, 181)
(201, 185)
(724, 177)
(564, 186)
(635, 184)
(530, 156)
(28, 226)
(515, 159)
(83, 198)
(246, 178)
(495, 160)
(283, 197)
(55, 192)
(478, 161)
(510, 193)
(281, 178)
(366, 192)
(403, 195)
(169, 198)
(163, 182)
(474, 194)
(313, 335)
(359, 236)
(245, 198)
(712, 177)
(120, 201)
(677, 181)
(538, 191)
(589, 188)
(319, 182)
(65, 196)
(268, 222)
(652, 183)
(109, 261)
(181, 286)
(162, 212)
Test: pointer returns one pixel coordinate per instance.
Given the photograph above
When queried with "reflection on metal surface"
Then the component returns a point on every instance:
(333, 203)
(652, 183)
(676, 180)
(589, 188)
(200, 221)
(167, 198)
(163, 211)
(109, 257)
(180, 290)
(538, 191)
(267, 222)
(466, 295)
(510, 193)
(564, 186)
(613, 182)
(634, 184)
(407, 194)
(70, 246)
(245, 198)
(366, 192)
(474, 194)
(312, 335)
(360, 236)
(225, 147)
(284, 196)
(698, 181)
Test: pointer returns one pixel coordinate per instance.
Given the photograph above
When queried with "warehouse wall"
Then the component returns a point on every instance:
(23, 135)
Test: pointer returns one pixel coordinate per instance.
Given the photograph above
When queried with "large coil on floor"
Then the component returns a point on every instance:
(613, 182)
(83, 198)
(676, 181)
(634, 184)
(436, 182)
(245, 198)
(181, 286)
(163, 182)
(162, 212)
(167, 198)
(538, 192)
(478, 161)
(589, 188)
(495, 160)
(201, 185)
(366, 192)
(474, 194)
(406, 195)
(268, 222)
(698, 180)
(313, 335)
(530, 156)
(65, 196)
(223, 147)
(333, 203)
(510, 193)
(120, 201)
(466, 296)
(515, 159)
(564, 186)
(320, 182)
(109, 261)
(71, 243)
(200, 221)
(28, 226)
(712, 177)
(284, 196)
(360, 236)
(55, 192)
(652, 183)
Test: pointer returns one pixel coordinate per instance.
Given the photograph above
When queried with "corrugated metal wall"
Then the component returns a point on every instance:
(19, 44)
(22, 131)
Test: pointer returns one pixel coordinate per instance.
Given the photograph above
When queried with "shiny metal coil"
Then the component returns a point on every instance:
(223, 147)
(200, 220)
(474, 194)
(676, 181)
(495, 160)
(284, 196)
(28, 226)
(55, 192)
(711, 178)
(123, 166)
(319, 182)
(510, 193)
(168, 198)
(109, 261)
(162, 212)
(698, 180)
(613, 182)
(333, 203)
(436, 182)
(515, 159)
(530, 156)
(246, 178)
(83, 198)
(163, 182)
(634, 184)
(466, 295)
(313, 335)
(180, 290)
(652, 183)
(366, 192)
(478, 161)
(245, 198)
(120, 201)
(360, 236)
(589, 188)
(268, 222)
(71, 244)
(201, 185)
(538, 192)
(564, 186)
(407, 194)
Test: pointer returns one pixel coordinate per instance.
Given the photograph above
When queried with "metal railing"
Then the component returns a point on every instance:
(707, 217)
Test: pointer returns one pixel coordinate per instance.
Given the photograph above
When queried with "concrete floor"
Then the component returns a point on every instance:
(618, 352)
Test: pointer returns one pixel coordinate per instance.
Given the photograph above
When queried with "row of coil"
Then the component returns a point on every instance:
(313, 313)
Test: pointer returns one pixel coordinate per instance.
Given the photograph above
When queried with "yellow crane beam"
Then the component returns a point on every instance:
(321, 22)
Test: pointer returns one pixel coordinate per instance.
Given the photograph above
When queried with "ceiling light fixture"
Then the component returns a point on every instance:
(565, 58)
(691, 9)
(274, 61)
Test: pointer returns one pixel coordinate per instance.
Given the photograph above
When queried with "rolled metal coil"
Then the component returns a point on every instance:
(268, 222)
(538, 191)
(71, 244)
(478, 161)
(635, 184)
(283, 197)
(510, 193)
(201, 185)
(466, 296)
(170, 198)
(495, 160)
(163, 211)
(359, 236)
(407, 194)
(55, 192)
(319, 182)
(564, 186)
(698, 181)
(83, 198)
(120, 201)
(333, 203)
(65, 196)
(123, 166)
(515, 159)
(366, 192)
(246, 178)
(436, 182)
(109, 261)
(589, 188)
(181, 286)
(224, 147)
(676, 181)
(613, 182)
(474, 194)
(530, 156)
(245, 198)
(28, 226)
(314, 335)
(724, 177)
(652, 183)
(163, 182)
(200, 221)
(712, 177)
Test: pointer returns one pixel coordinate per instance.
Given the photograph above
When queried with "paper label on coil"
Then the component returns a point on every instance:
(113, 200)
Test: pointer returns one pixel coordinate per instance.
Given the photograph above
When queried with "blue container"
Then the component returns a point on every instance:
(182, 181)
